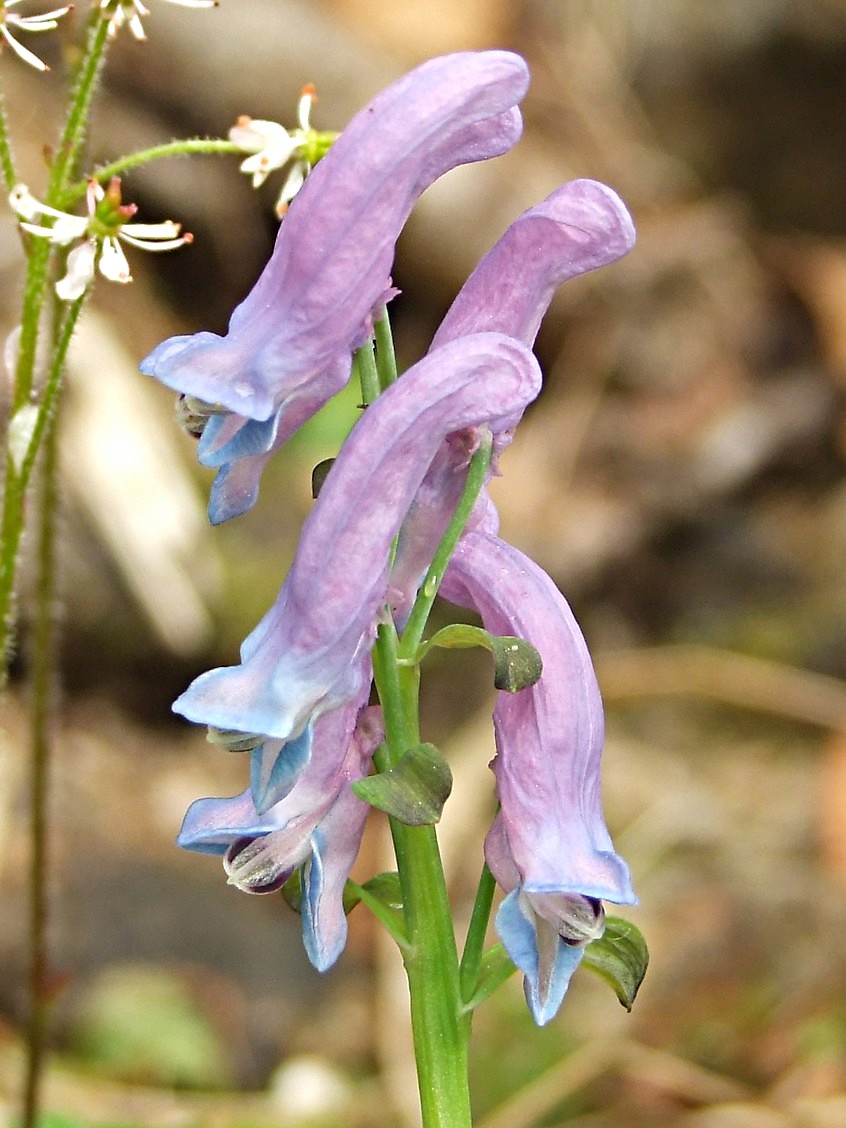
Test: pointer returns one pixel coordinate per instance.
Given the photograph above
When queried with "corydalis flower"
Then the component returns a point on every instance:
(98, 234)
(46, 21)
(549, 847)
(581, 226)
(131, 12)
(290, 342)
(305, 656)
(315, 829)
(272, 146)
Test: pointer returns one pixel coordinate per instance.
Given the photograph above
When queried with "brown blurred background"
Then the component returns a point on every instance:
(681, 477)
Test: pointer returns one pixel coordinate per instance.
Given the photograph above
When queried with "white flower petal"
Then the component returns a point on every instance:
(307, 100)
(80, 271)
(22, 52)
(113, 264)
(137, 233)
(21, 428)
(293, 183)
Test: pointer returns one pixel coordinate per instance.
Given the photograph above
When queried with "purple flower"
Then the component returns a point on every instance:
(308, 654)
(315, 829)
(292, 337)
(549, 847)
(579, 227)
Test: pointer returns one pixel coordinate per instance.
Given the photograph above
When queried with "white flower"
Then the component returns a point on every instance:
(100, 233)
(130, 12)
(272, 146)
(45, 22)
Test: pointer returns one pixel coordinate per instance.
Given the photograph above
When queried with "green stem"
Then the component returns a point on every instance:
(187, 147)
(35, 288)
(44, 666)
(431, 960)
(7, 161)
(386, 361)
(79, 109)
(368, 375)
(476, 475)
(474, 944)
(17, 481)
(53, 384)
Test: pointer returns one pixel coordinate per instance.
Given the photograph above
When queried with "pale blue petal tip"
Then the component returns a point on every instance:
(210, 826)
(324, 923)
(275, 770)
(254, 437)
(518, 935)
(230, 496)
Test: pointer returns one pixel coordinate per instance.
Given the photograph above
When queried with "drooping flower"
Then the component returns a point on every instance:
(271, 146)
(304, 658)
(98, 235)
(549, 847)
(131, 12)
(292, 338)
(579, 227)
(315, 829)
(11, 24)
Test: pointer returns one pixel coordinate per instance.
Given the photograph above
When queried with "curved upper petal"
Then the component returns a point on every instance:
(579, 227)
(334, 250)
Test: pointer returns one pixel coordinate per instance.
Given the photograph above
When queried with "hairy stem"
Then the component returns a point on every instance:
(43, 690)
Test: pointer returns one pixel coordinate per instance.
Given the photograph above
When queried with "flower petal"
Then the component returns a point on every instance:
(549, 736)
(333, 253)
(302, 659)
(317, 826)
(579, 227)
(79, 271)
(539, 952)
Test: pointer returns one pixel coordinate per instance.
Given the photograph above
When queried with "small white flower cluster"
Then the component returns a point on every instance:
(272, 146)
(117, 12)
(10, 24)
(99, 231)
(131, 12)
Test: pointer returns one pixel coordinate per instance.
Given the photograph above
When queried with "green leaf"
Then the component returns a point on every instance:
(517, 663)
(620, 956)
(414, 790)
(382, 894)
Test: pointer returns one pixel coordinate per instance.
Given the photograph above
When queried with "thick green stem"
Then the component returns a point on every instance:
(431, 959)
